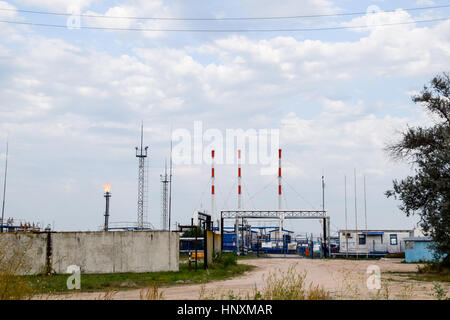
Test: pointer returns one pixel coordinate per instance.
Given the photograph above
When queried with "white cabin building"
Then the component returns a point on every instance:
(373, 242)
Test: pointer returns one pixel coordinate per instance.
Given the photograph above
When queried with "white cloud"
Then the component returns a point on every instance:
(57, 5)
(82, 106)
(424, 3)
(135, 8)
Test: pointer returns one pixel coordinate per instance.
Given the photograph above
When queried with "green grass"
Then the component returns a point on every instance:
(431, 277)
(123, 281)
(443, 276)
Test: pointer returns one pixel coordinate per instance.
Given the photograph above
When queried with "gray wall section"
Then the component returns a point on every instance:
(105, 252)
(32, 246)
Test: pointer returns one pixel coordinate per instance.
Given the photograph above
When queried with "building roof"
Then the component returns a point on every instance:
(418, 239)
(375, 230)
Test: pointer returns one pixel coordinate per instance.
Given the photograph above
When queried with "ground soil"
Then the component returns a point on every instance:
(344, 279)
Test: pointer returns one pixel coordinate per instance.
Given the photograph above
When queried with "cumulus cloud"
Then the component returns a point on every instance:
(78, 106)
(59, 5)
(137, 8)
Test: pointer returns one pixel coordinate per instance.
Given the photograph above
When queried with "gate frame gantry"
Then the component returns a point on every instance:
(277, 214)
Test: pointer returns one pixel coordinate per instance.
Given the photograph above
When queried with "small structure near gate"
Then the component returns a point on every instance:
(211, 241)
(419, 249)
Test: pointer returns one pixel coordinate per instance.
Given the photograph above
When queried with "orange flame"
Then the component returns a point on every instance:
(107, 187)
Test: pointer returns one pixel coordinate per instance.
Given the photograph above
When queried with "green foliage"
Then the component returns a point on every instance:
(439, 292)
(225, 260)
(427, 193)
(191, 233)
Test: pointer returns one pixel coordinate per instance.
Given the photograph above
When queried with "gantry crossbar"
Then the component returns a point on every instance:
(274, 214)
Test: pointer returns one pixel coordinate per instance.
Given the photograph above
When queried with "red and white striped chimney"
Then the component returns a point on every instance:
(239, 181)
(279, 179)
(213, 216)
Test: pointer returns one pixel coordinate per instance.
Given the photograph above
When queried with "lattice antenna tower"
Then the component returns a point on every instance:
(165, 180)
(142, 204)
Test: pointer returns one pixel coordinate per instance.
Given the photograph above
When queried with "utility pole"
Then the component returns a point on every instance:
(346, 226)
(356, 221)
(324, 244)
(365, 215)
(4, 187)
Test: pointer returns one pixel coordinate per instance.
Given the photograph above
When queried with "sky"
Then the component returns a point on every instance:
(72, 101)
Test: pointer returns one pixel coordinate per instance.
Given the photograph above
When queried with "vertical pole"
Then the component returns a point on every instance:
(279, 180)
(236, 231)
(323, 192)
(212, 186)
(324, 237)
(365, 216)
(242, 236)
(239, 181)
(205, 246)
(345, 209)
(324, 244)
(328, 236)
(196, 246)
(4, 188)
(356, 221)
(221, 232)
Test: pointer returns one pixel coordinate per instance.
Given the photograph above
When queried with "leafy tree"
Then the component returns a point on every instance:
(427, 192)
(190, 233)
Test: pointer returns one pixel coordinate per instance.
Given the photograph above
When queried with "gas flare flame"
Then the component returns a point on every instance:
(107, 187)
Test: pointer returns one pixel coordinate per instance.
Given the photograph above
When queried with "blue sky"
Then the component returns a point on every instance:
(72, 102)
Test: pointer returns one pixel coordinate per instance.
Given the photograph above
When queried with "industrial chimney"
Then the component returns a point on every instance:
(107, 189)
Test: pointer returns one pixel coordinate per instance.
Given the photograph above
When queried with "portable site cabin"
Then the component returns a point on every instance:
(418, 249)
(373, 242)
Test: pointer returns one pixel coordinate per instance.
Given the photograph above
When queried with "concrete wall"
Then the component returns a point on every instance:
(30, 249)
(105, 252)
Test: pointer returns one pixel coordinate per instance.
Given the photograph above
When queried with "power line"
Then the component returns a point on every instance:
(225, 30)
(217, 19)
(303, 198)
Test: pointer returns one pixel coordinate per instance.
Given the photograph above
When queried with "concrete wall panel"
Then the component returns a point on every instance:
(103, 251)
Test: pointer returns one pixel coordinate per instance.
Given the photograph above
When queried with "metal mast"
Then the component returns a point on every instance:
(213, 215)
(4, 188)
(279, 180)
(170, 185)
(345, 210)
(164, 199)
(356, 221)
(365, 215)
(239, 181)
(141, 154)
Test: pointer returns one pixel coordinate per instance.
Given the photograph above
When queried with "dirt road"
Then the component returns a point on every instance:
(344, 279)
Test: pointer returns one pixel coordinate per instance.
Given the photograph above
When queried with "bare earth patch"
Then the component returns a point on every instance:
(344, 279)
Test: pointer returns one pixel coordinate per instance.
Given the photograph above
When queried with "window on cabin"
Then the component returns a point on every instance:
(362, 239)
(393, 238)
(410, 245)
